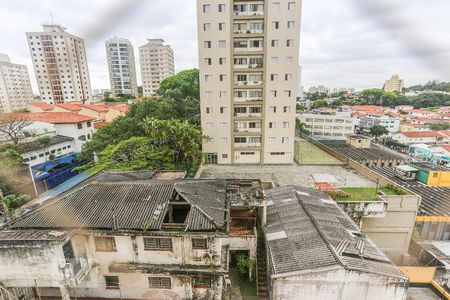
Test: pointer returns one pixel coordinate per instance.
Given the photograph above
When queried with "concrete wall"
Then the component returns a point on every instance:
(338, 285)
(72, 130)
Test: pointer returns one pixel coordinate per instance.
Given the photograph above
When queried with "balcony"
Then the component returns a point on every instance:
(249, 83)
(247, 145)
(247, 14)
(248, 49)
(248, 115)
(248, 130)
(74, 270)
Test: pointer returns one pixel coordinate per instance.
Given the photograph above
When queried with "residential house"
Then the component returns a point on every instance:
(419, 137)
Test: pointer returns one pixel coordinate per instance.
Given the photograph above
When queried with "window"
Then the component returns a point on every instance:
(275, 24)
(207, 44)
(199, 243)
(206, 8)
(222, 94)
(112, 282)
(289, 60)
(208, 77)
(208, 61)
(435, 175)
(223, 109)
(159, 283)
(273, 109)
(105, 244)
(89, 124)
(221, 7)
(291, 5)
(272, 125)
(208, 94)
(286, 109)
(240, 140)
(287, 77)
(207, 27)
(274, 60)
(276, 5)
(223, 125)
(160, 244)
(221, 26)
(222, 77)
(285, 140)
(274, 43)
(80, 126)
(273, 77)
(209, 125)
(271, 140)
(287, 93)
(210, 158)
(222, 60)
(224, 140)
(289, 43)
(209, 110)
(202, 281)
(285, 124)
(222, 44)
(290, 24)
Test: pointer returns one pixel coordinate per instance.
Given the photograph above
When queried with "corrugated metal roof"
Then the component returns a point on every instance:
(318, 234)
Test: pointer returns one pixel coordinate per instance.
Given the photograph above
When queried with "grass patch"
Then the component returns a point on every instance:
(368, 194)
(307, 153)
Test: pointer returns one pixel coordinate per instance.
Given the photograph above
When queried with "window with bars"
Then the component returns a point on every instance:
(112, 282)
(105, 244)
(199, 244)
(160, 244)
(159, 282)
(202, 282)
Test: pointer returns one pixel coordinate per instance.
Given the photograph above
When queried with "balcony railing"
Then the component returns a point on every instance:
(248, 83)
(252, 130)
(75, 270)
(247, 145)
(244, 115)
(238, 13)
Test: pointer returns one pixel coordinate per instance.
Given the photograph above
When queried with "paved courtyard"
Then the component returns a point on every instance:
(419, 293)
(287, 174)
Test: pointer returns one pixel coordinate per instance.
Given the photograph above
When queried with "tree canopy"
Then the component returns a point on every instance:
(378, 130)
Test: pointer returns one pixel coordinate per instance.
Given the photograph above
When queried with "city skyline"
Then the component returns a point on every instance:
(332, 53)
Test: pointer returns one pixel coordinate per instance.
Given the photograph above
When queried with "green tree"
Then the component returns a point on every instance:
(440, 126)
(300, 107)
(15, 201)
(378, 130)
(320, 103)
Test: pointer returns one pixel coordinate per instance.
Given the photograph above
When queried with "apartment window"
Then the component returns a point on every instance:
(159, 283)
(112, 282)
(209, 110)
(271, 140)
(105, 244)
(289, 43)
(275, 24)
(273, 109)
(240, 110)
(209, 125)
(256, 44)
(224, 140)
(285, 124)
(223, 125)
(274, 43)
(273, 93)
(277, 153)
(222, 94)
(208, 94)
(222, 60)
(80, 126)
(199, 243)
(206, 8)
(285, 140)
(223, 109)
(273, 77)
(203, 282)
(208, 77)
(291, 5)
(286, 109)
(289, 60)
(287, 93)
(222, 44)
(287, 77)
(207, 44)
(207, 27)
(222, 26)
(290, 24)
(208, 61)
(209, 141)
(159, 244)
(222, 77)
(276, 5)
(274, 60)
(221, 7)
(272, 125)
(240, 140)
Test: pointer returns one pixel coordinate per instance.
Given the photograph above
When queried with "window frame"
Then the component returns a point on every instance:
(158, 246)
(199, 247)
(115, 284)
(159, 284)
(101, 248)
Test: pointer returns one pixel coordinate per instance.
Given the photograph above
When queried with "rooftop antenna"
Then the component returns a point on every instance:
(51, 18)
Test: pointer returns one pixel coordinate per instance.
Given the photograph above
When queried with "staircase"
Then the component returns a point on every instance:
(261, 268)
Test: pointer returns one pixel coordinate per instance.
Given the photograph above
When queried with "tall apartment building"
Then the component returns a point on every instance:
(60, 63)
(248, 58)
(395, 84)
(15, 86)
(122, 68)
(156, 64)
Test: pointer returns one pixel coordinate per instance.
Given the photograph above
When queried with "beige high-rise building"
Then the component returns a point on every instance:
(156, 64)
(248, 58)
(395, 84)
(122, 68)
(15, 86)
(60, 64)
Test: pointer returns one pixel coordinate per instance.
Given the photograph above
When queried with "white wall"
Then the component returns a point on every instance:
(72, 130)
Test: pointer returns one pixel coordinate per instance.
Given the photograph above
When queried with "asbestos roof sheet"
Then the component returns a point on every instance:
(318, 234)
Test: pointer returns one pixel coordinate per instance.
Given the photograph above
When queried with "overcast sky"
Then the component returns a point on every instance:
(344, 43)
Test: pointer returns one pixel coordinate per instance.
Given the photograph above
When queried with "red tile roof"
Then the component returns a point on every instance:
(42, 105)
(444, 132)
(445, 147)
(368, 108)
(420, 111)
(123, 107)
(100, 124)
(96, 107)
(69, 106)
(420, 134)
(54, 117)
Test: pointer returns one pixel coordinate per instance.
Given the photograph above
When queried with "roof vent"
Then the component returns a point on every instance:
(360, 246)
(342, 246)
